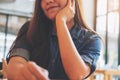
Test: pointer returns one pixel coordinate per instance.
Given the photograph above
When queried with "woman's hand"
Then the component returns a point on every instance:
(32, 71)
(26, 71)
(68, 12)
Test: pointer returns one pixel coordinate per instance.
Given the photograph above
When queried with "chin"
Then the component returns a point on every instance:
(52, 18)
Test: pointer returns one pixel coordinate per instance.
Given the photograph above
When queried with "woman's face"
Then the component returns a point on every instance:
(52, 7)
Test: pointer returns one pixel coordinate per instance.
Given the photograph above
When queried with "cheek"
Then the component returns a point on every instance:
(64, 3)
(42, 6)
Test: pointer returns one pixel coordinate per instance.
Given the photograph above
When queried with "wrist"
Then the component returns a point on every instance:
(60, 22)
(60, 18)
(18, 60)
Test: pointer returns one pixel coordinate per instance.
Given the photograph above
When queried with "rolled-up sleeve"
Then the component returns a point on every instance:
(91, 52)
(20, 46)
(19, 52)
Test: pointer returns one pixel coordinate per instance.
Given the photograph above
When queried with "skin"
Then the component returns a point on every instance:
(79, 69)
(20, 69)
(63, 16)
(52, 7)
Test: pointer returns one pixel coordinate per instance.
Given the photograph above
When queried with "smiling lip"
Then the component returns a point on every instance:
(51, 7)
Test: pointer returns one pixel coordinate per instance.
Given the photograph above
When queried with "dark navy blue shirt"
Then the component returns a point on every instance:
(87, 43)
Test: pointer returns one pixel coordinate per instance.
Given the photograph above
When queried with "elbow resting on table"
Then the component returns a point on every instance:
(80, 74)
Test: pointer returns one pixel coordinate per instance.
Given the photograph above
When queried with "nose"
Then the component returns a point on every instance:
(50, 1)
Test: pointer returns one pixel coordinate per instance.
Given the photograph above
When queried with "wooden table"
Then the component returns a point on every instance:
(108, 74)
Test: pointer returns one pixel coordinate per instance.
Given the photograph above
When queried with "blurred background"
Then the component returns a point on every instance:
(13, 14)
(102, 15)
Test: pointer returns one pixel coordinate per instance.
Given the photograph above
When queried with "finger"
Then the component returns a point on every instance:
(73, 3)
(27, 74)
(39, 72)
(69, 3)
(19, 77)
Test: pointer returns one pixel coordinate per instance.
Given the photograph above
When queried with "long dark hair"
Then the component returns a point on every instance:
(39, 28)
(38, 35)
(40, 23)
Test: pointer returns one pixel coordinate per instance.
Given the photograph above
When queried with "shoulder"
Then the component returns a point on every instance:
(83, 34)
(23, 28)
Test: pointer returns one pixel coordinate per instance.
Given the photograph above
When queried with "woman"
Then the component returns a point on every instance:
(55, 44)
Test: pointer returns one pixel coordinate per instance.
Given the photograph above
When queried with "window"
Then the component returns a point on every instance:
(9, 27)
(107, 25)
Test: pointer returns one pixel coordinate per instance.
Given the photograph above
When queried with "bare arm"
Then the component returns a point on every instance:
(14, 65)
(74, 65)
(20, 69)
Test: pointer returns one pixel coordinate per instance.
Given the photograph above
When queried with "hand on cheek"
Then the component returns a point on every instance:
(68, 12)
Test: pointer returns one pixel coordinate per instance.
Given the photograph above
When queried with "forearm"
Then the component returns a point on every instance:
(14, 65)
(20, 69)
(73, 64)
